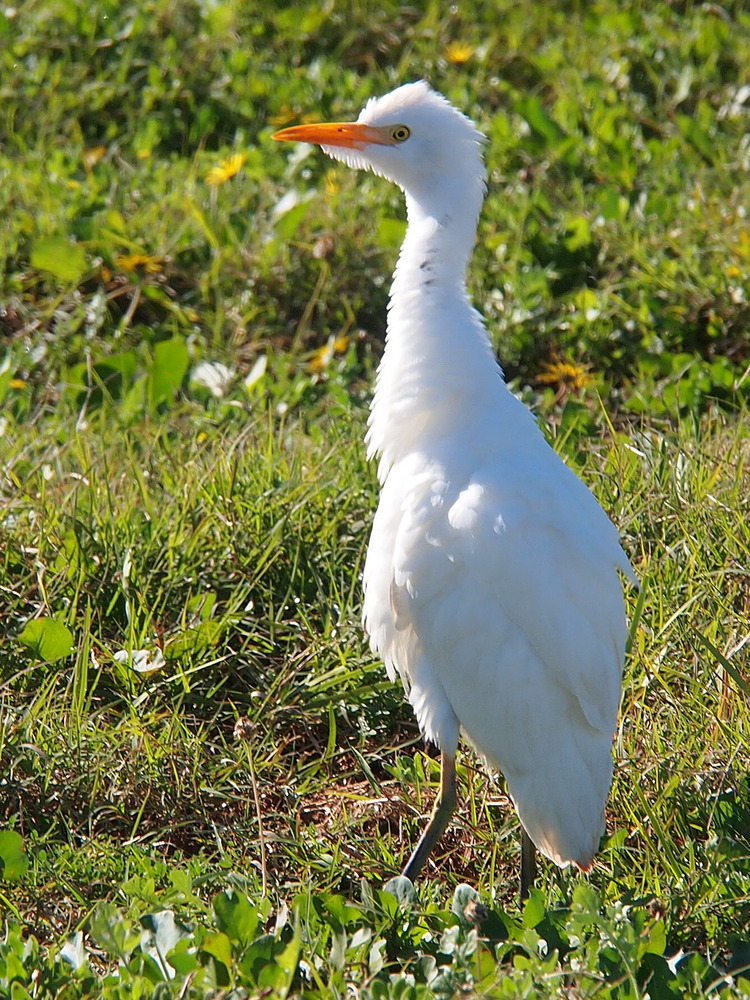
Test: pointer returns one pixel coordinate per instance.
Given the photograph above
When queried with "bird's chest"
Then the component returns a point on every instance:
(427, 534)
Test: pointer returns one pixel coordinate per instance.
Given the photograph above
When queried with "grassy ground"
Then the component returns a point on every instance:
(198, 755)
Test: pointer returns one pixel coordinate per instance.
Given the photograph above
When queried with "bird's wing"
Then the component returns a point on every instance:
(503, 601)
(531, 551)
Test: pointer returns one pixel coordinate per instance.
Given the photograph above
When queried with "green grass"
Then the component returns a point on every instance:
(199, 756)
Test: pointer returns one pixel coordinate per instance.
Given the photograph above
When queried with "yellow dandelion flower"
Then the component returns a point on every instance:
(287, 116)
(567, 375)
(92, 156)
(458, 53)
(17, 383)
(322, 358)
(282, 117)
(331, 183)
(324, 355)
(145, 263)
(226, 169)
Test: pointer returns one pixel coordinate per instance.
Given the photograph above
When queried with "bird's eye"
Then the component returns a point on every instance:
(400, 133)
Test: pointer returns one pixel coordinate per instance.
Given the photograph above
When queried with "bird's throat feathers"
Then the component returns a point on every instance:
(435, 253)
(438, 358)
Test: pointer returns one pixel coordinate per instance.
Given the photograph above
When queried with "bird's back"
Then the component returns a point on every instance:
(492, 588)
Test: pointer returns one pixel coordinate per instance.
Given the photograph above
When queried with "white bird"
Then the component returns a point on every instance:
(491, 584)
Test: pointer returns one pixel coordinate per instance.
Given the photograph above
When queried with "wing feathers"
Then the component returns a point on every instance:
(500, 604)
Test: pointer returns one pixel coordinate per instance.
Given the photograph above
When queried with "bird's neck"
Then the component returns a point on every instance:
(438, 361)
(436, 250)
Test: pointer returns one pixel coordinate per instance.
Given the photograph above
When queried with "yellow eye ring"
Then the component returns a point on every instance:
(400, 133)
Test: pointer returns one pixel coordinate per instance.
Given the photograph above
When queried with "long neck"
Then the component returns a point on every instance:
(436, 250)
(438, 360)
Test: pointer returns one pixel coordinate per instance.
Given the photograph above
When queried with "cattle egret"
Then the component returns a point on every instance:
(491, 585)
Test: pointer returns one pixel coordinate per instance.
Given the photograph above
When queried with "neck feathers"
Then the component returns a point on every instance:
(438, 358)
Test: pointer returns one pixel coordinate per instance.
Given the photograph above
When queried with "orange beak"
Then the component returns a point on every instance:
(350, 135)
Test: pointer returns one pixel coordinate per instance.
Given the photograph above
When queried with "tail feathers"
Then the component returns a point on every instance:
(566, 840)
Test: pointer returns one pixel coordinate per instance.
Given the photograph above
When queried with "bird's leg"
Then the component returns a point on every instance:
(528, 866)
(442, 811)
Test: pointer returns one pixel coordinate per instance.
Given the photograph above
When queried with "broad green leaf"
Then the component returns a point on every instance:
(535, 114)
(202, 604)
(48, 639)
(183, 883)
(465, 899)
(220, 947)
(578, 236)
(183, 958)
(112, 375)
(286, 966)
(236, 916)
(170, 365)
(402, 888)
(534, 908)
(13, 860)
(288, 220)
(656, 941)
(111, 930)
(585, 899)
(194, 640)
(258, 957)
(60, 257)
(335, 909)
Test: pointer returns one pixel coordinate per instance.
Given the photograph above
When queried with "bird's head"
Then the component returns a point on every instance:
(412, 136)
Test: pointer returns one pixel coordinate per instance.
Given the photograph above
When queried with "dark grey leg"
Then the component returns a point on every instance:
(528, 866)
(442, 811)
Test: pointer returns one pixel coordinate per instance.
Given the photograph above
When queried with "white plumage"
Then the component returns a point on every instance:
(492, 583)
